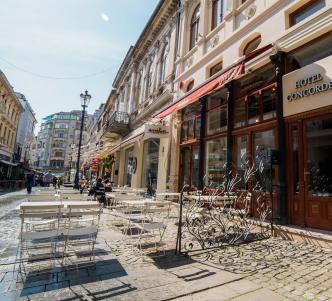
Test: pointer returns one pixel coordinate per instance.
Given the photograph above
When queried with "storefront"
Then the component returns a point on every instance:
(308, 115)
(141, 158)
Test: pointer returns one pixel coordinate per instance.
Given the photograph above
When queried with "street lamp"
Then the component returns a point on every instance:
(85, 99)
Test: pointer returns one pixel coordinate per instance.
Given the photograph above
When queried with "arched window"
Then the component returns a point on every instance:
(194, 24)
(217, 13)
(252, 45)
(190, 86)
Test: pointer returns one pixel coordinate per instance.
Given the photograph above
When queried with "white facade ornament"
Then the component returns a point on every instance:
(214, 41)
(250, 11)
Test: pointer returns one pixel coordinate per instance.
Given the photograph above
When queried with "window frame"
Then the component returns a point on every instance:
(302, 9)
(250, 43)
(194, 27)
(215, 19)
(245, 100)
(215, 66)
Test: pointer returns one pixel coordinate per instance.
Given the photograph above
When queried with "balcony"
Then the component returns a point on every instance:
(118, 124)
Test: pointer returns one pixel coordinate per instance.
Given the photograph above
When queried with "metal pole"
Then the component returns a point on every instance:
(76, 186)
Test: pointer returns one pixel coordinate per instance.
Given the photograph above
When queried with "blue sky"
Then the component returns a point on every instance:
(67, 38)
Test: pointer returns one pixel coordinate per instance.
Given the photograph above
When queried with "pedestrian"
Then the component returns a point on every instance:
(55, 181)
(30, 177)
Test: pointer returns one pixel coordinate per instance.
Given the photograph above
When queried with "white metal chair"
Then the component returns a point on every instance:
(81, 229)
(39, 233)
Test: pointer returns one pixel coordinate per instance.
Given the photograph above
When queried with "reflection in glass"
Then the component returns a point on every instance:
(129, 157)
(185, 157)
(253, 109)
(319, 162)
(240, 114)
(217, 120)
(150, 163)
(241, 146)
(195, 167)
(216, 151)
(263, 143)
(269, 103)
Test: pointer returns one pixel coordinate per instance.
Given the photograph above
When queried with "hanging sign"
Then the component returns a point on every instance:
(156, 131)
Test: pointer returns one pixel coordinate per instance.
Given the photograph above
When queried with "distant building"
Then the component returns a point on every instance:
(55, 140)
(10, 111)
(25, 132)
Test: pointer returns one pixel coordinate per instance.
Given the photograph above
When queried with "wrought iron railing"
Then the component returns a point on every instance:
(118, 117)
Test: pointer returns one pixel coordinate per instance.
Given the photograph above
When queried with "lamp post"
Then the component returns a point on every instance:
(85, 99)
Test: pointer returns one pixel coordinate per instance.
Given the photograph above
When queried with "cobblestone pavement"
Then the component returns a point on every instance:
(270, 269)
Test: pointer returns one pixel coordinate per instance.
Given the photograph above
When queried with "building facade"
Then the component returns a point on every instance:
(212, 81)
(10, 112)
(58, 135)
(25, 132)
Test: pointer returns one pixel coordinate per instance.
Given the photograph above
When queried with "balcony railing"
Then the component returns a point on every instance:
(118, 123)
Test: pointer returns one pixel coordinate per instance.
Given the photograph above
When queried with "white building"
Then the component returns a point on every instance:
(25, 132)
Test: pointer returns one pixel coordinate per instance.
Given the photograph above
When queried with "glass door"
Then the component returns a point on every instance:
(317, 172)
(189, 166)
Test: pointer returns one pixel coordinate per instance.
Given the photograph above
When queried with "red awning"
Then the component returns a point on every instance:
(212, 85)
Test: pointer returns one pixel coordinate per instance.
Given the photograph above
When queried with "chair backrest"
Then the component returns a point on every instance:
(79, 210)
(41, 211)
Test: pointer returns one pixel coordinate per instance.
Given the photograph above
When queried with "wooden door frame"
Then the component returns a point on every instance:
(191, 147)
(301, 120)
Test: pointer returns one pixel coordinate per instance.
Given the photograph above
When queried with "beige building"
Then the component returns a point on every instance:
(142, 86)
(10, 111)
(240, 76)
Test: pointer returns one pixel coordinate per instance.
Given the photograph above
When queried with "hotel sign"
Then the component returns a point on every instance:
(308, 88)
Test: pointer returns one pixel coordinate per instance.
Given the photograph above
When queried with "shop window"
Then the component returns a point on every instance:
(216, 68)
(129, 160)
(217, 120)
(269, 100)
(253, 109)
(240, 114)
(190, 127)
(264, 142)
(217, 13)
(252, 45)
(242, 155)
(194, 27)
(306, 11)
(257, 107)
(216, 151)
(150, 164)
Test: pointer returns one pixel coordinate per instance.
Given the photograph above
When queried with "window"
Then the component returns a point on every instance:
(216, 113)
(252, 45)
(216, 151)
(58, 154)
(216, 68)
(217, 13)
(190, 86)
(194, 26)
(190, 127)
(256, 107)
(306, 11)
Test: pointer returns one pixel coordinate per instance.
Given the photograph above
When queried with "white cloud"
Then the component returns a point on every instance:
(104, 17)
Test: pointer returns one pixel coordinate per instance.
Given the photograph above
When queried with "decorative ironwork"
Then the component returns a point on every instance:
(237, 210)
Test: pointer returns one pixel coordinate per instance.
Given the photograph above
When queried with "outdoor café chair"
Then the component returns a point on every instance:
(39, 233)
(81, 229)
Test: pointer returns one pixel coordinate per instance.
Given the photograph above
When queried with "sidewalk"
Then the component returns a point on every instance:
(270, 270)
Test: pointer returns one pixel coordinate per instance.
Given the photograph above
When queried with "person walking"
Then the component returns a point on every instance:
(30, 178)
(55, 181)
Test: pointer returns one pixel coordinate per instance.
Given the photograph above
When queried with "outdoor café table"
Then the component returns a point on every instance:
(138, 202)
(50, 203)
(210, 197)
(169, 194)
